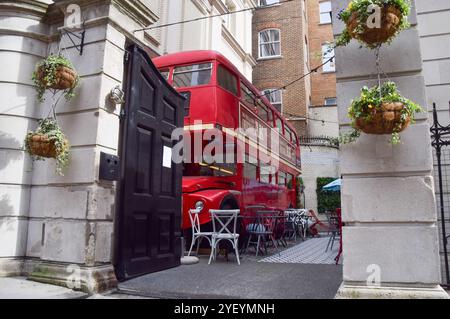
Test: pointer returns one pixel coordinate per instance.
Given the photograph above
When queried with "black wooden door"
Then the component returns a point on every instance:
(149, 221)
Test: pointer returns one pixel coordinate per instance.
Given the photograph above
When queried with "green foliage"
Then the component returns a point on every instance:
(371, 101)
(327, 200)
(50, 66)
(360, 7)
(50, 128)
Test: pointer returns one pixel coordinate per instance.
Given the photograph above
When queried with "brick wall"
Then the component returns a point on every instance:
(323, 85)
(277, 72)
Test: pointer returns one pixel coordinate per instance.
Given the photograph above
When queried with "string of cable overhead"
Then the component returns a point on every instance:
(207, 17)
(298, 79)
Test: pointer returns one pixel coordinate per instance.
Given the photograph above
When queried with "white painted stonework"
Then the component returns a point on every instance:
(49, 221)
(388, 201)
(230, 35)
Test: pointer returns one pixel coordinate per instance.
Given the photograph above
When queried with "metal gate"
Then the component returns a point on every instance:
(149, 196)
(440, 139)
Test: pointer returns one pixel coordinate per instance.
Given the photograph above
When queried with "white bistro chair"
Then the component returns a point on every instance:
(197, 234)
(224, 227)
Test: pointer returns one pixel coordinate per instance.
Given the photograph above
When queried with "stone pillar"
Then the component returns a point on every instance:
(388, 201)
(60, 228)
(23, 42)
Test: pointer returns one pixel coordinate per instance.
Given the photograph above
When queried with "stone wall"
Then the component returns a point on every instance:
(388, 201)
(434, 31)
(20, 49)
(227, 34)
(317, 161)
(50, 221)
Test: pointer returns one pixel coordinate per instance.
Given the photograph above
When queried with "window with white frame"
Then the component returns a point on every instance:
(263, 3)
(330, 101)
(325, 11)
(275, 97)
(269, 43)
(327, 54)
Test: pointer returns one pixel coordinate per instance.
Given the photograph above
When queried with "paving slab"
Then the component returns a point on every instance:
(21, 288)
(250, 280)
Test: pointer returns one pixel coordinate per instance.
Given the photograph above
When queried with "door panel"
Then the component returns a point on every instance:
(149, 221)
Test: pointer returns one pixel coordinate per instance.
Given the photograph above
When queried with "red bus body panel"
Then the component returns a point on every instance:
(215, 106)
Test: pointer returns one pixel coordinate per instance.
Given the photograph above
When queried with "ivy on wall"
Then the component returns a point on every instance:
(327, 200)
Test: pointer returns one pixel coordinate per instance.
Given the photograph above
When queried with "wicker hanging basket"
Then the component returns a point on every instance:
(66, 78)
(40, 145)
(390, 23)
(385, 121)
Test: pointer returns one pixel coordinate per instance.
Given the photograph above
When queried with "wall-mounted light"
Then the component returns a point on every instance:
(117, 95)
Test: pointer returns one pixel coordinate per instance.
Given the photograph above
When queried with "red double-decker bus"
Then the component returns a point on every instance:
(221, 98)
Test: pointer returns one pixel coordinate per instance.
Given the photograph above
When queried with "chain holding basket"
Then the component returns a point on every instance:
(56, 74)
(380, 109)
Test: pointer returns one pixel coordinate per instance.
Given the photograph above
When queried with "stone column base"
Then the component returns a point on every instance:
(347, 291)
(11, 267)
(87, 279)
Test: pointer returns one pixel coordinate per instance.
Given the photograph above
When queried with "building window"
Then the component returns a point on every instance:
(330, 101)
(328, 53)
(264, 3)
(325, 12)
(275, 97)
(269, 43)
(227, 80)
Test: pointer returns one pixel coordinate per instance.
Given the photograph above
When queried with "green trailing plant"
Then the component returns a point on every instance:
(50, 130)
(361, 9)
(48, 75)
(327, 200)
(371, 103)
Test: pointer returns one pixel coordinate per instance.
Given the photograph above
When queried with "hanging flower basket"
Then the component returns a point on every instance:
(380, 111)
(57, 73)
(393, 19)
(48, 141)
(385, 120)
(64, 78)
(390, 23)
(40, 145)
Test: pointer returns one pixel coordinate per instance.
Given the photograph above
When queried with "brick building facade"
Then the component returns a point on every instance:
(287, 65)
(323, 82)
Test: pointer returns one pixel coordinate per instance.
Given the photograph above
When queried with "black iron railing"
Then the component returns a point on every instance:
(324, 141)
(440, 137)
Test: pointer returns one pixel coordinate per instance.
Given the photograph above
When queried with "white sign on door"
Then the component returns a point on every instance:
(167, 157)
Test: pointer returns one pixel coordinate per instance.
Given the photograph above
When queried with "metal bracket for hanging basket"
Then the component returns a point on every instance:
(75, 36)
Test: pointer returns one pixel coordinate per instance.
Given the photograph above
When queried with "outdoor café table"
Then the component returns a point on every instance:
(264, 219)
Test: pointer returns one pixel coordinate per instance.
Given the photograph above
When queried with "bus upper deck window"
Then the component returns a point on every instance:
(247, 95)
(165, 73)
(227, 80)
(279, 125)
(192, 75)
(263, 112)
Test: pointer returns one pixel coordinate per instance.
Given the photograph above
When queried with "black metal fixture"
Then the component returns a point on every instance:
(76, 37)
(440, 137)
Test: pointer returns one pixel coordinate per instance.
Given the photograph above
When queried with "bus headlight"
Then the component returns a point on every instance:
(199, 205)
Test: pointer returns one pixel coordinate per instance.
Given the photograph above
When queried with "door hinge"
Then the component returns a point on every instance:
(126, 57)
(122, 113)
